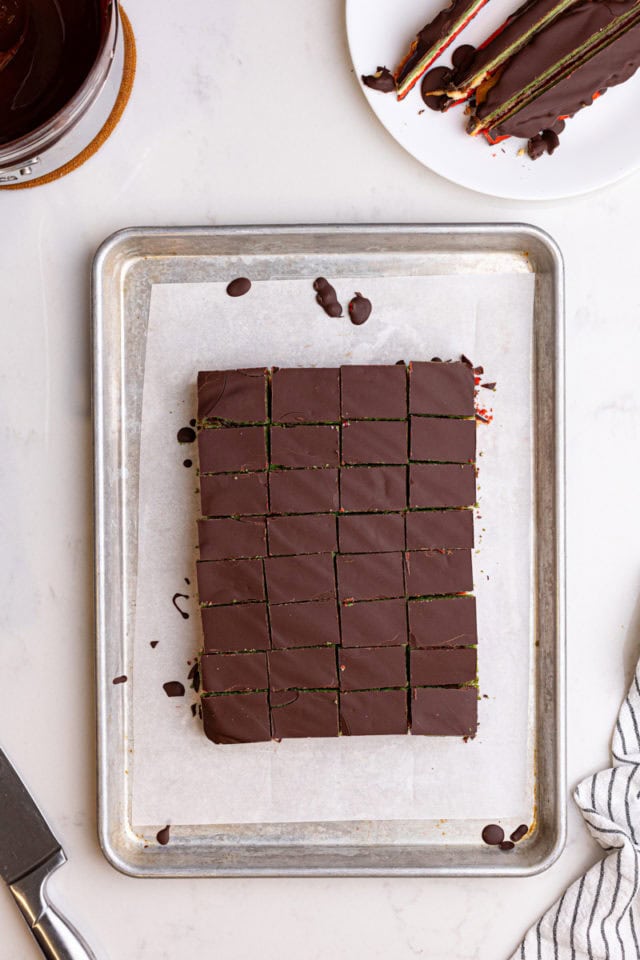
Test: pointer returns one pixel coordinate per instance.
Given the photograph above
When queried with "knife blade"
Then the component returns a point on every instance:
(29, 854)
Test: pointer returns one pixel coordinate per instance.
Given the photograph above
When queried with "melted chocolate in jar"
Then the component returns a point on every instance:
(47, 49)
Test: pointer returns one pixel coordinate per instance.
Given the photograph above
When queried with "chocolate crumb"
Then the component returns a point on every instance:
(478, 370)
(327, 298)
(187, 463)
(200, 710)
(194, 709)
(507, 845)
(436, 359)
(122, 679)
(153, 644)
(162, 836)
(186, 435)
(489, 386)
(238, 287)
(466, 360)
(545, 142)
(187, 581)
(359, 309)
(192, 423)
(519, 832)
(382, 80)
(173, 688)
(493, 834)
(174, 599)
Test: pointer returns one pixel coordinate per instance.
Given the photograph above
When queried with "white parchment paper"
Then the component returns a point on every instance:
(178, 775)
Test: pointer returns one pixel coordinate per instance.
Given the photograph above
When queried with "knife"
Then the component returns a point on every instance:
(29, 853)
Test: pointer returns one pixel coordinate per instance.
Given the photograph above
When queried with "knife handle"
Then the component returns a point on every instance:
(56, 937)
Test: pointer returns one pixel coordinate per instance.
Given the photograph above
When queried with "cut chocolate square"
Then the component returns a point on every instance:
(375, 441)
(237, 396)
(434, 529)
(309, 445)
(239, 626)
(448, 622)
(444, 712)
(371, 532)
(304, 624)
(374, 392)
(374, 623)
(234, 672)
(373, 488)
(303, 491)
(440, 668)
(310, 395)
(442, 485)
(370, 668)
(230, 581)
(443, 439)
(307, 533)
(230, 449)
(373, 712)
(236, 717)
(443, 389)
(294, 579)
(370, 576)
(307, 668)
(310, 713)
(433, 572)
(234, 494)
(231, 538)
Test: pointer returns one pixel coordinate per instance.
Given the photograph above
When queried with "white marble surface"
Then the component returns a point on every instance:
(247, 112)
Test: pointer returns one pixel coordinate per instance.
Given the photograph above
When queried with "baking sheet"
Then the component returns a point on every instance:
(178, 775)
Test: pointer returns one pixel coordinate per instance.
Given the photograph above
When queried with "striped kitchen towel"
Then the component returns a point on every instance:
(599, 915)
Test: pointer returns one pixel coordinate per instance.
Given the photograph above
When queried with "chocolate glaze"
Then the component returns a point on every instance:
(173, 688)
(307, 445)
(434, 529)
(297, 669)
(310, 395)
(382, 80)
(371, 532)
(304, 624)
(375, 441)
(303, 491)
(436, 79)
(293, 579)
(238, 287)
(230, 581)
(163, 836)
(441, 668)
(376, 623)
(370, 576)
(364, 489)
(307, 533)
(373, 712)
(437, 572)
(359, 309)
(237, 718)
(227, 494)
(308, 713)
(462, 56)
(367, 668)
(228, 538)
(231, 449)
(186, 435)
(174, 601)
(443, 439)
(327, 298)
(234, 672)
(239, 396)
(443, 622)
(441, 389)
(374, 392)
(442, 485)
(444, 711)
(545, 142)
(239, 626)
(493, 834)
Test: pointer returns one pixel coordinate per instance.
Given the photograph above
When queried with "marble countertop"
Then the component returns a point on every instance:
(249, 113)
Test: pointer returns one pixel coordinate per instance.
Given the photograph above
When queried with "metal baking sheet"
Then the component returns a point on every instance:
(125, 270)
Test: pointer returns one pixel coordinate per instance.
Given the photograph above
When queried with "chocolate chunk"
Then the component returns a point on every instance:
(303, 491)
(441, 389)
(370, 576)
(441, 485)
(238, 287)
(367, 668)
(294, 579)
(305, 446)
(121, 679)
(440, 668)
(327, 298)
(231, 449)
(382, 80)
(193, 422)
(234, 494)
(163, 836)
(433, 529)
(312, 667)
(507, 845)
(153, 644)
(186, 435)
(304, 624)
(237, 718)
(194, 709)
(374, 623)
(443, 623)
(230, 581)
(444, 712)
(234, 672)
(432, 572)
(310, 533)
(519, 833)
(493, 835)
(173, 688)
(545, 142)
(371, 532)
(373, 488)
(232, 538)
(462, 56)
(488, 386)
(373, 712)
(239, 626)
(187, 463)
(239, 396)
(174, 601)
(371, 392)
(359, 309)
(310, 395)
(436, 79)
(312, 713)
(375, 441)
(443, 439)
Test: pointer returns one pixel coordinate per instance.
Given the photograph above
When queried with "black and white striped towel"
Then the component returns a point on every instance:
(598, 917)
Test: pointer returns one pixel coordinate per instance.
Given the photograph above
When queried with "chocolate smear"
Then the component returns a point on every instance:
(186, 435)
(359, 309)
(173, 688)
(436, 79)
(122, 679)
(162, 836)
(519, 832)
(382, 80)
(327, 298)
(238, 287)
(174, 599)
(493, 834)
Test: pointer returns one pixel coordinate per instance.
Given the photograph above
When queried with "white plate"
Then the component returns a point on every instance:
(599, 145)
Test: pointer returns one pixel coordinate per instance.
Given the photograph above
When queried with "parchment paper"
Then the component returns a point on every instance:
(179, 776)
